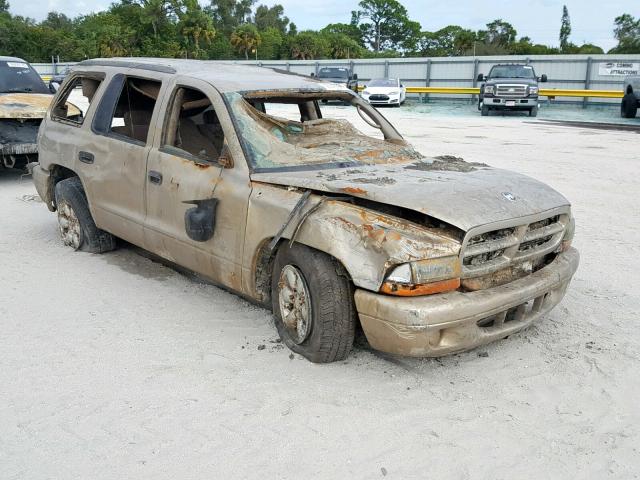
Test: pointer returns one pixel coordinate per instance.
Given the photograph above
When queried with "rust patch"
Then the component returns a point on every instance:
(446, 163)
(354, 190)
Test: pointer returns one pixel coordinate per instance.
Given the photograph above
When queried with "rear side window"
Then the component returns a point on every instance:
(126, 108)
(73, 103)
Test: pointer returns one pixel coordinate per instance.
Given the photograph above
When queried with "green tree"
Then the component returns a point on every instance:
(499, 36)
(350, 30)
(385, 24)
(246, 38)
(308, 45)
(565, 29)
(446, 42)
(341, 46)
(271, 17)
(194, 26)
(272, 41)
(627, 33)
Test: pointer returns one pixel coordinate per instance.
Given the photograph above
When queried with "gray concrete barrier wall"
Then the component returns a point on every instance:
(563, 71)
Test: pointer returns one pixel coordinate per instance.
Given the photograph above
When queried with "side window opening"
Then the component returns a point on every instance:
(193, 127)
(133, 112)
(81, 92)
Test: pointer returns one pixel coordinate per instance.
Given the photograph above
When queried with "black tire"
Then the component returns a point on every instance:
(629, 106)
(331, 329)
(484, 111)
(533, 112)
(69, 193)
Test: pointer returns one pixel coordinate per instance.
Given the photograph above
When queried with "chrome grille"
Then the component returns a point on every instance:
(496, 249)
(511, 91)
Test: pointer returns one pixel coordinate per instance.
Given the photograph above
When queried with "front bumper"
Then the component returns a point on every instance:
(18, 148)
(500, 102)
(435, 325)
(391, 100)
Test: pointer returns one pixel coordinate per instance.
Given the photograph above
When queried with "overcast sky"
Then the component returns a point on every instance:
(591, 20)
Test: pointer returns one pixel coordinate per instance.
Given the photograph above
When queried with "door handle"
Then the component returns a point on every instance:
(86, 157)
(155, 177)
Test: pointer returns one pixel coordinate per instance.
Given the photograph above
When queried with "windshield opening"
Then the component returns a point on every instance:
(512, 71)
(383, 82)
(279, 129)
(332, 72)
(20, 77)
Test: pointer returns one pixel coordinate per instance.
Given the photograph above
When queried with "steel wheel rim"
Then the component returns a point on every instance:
(295, 303)
(69, 225)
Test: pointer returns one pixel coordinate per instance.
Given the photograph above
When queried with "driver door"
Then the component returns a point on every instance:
(196, 197)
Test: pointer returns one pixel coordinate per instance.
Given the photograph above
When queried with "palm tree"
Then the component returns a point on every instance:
(245, 39)
(195, 26)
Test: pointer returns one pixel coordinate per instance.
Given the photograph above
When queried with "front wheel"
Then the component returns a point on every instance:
(77, 228)
(312, 301)
(629, 106)
(484, 111)
(533, 112)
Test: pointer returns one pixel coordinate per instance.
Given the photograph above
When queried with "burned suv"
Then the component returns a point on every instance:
(24, 99)
(509, 87)
(240, 174)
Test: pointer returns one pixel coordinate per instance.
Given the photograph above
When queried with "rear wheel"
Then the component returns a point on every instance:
(484, 110)
(77, 228)
(312, 300)
(629, 106)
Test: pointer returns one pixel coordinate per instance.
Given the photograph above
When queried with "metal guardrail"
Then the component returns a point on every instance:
(544, 92)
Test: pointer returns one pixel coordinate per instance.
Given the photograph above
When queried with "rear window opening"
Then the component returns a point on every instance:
(295, 129)
(134, 109)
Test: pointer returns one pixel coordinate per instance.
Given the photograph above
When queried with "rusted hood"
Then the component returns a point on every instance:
(462, 194)
(27, 105)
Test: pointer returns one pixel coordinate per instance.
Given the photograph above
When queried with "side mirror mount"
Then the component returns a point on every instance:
(543, 78)
(480, 77)
(53, 87)
(312, 74)
(355, 76)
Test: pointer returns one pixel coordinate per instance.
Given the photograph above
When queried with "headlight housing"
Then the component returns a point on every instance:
(533, 90)
(488, 89)
(567, 239)
(394, 92)
(423, 277)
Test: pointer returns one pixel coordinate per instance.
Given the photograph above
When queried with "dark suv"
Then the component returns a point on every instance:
(509, 87)
(340, 75)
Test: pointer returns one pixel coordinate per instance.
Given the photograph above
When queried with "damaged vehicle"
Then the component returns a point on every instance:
(24, 99)
(240, 174)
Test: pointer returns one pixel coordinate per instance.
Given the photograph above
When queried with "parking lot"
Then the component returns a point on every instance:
(116, 366)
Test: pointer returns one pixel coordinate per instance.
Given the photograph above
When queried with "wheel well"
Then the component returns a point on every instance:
(59, 173)
(263, 269)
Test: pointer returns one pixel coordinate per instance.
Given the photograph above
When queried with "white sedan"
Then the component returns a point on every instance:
(385, 91)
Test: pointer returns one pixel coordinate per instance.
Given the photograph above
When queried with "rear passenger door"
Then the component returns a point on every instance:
(115, 162)
(192, 176)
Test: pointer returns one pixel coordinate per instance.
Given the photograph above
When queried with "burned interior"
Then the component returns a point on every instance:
(273, 141)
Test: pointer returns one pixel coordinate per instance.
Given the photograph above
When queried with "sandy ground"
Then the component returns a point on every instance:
(114, 366)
